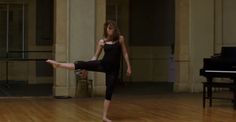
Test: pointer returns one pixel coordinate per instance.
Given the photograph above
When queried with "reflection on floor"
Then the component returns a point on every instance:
(22, 88)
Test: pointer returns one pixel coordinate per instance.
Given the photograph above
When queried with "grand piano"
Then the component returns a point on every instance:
(220, 66)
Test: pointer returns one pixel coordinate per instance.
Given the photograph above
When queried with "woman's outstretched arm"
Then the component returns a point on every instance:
(56, 64)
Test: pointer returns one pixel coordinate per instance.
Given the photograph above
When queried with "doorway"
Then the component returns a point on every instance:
(12, 29)
(24, 47)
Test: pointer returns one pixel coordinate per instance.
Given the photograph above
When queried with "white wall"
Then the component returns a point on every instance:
(86, 27)
(81, 33)
(229, 20)
(201, 38)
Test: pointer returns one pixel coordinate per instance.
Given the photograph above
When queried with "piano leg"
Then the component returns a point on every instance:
(234, 92)
(204, 95)
(234, 99)
(209, 90)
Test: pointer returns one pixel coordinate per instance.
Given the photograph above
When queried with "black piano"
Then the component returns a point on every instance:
(220, 66)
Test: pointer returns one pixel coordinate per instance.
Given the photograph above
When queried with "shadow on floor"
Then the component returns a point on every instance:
(137, 88)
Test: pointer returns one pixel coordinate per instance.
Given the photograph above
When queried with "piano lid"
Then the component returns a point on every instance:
(228, 52)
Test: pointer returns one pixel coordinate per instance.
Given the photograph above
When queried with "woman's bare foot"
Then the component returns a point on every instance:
(54, 63)
(105, 119)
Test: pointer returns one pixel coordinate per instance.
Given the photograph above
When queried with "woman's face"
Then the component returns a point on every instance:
(110, 30)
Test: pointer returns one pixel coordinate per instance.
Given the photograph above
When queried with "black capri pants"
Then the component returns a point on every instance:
(96, 65)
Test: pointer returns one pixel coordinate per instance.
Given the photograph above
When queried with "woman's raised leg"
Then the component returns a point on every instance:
(56, 64)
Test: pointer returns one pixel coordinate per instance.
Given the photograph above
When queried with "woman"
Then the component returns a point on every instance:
(113, 45)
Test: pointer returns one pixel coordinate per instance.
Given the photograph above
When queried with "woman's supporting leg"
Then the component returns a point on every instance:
(105, 110)
(56, 64)
(110, 82)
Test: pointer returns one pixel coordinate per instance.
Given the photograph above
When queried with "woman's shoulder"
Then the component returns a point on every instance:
(122, 36)
(101, 42)
(121, 39)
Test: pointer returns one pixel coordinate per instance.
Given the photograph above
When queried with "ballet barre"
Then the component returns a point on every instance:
(7, 59)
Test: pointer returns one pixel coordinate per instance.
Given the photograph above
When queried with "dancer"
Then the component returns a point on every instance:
(113, 45)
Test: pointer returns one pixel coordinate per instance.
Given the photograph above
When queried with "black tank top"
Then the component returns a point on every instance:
(112, 55)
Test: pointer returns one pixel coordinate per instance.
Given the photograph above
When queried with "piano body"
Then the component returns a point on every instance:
(220, 66)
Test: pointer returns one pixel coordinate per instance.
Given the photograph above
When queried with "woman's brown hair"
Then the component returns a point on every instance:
(116, 33)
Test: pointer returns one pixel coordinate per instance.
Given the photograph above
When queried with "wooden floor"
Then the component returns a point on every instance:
(166, 107)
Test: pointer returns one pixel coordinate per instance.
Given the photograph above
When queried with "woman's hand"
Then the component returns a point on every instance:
(128, 73)
(84, 74)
